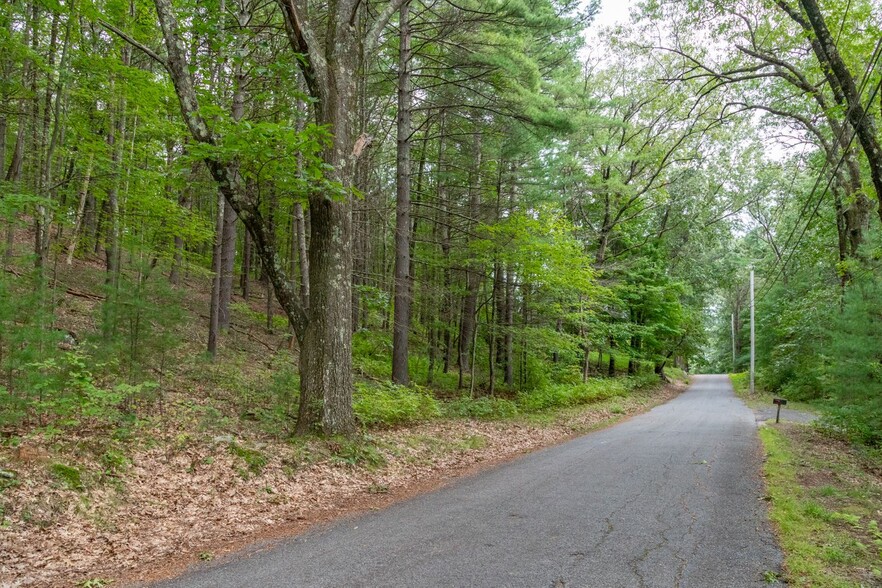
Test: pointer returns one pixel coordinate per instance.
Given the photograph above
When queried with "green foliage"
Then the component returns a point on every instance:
(483, 407)
(389, 405)
(372, 353)
(594, 390)
(856, 374)
(355, 452)
(566, 395)
(67, 475)
(254, 459)
(258, 318)
(28, 345)
(95, 583)
(139, 319)
(114, 461)
(740, 381)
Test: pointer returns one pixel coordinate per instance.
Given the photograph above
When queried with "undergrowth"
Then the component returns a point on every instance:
(826, 503)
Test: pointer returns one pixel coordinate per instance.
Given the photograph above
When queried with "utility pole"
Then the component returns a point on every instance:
(752, 337)
(733, 341)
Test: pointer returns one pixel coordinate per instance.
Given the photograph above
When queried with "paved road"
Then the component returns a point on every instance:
(669, 498)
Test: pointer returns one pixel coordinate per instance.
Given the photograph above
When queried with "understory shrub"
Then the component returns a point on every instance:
(565, 395)
(387, 404)
(594, 390)
(485, 407)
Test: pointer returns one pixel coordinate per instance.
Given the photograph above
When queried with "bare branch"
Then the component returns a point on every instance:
(131, 41)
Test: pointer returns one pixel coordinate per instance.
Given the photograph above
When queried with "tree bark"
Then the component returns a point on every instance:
(302, 253)
(217, 268)
(228, 265)
(403, 280)
(330, 68)
(473, 270)
(245, 276)
(78, 222)
(861, 119)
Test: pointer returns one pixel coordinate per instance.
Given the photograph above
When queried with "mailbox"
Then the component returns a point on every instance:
(779, 402)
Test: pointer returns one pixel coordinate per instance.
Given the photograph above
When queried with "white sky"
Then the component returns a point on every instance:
(612, 12)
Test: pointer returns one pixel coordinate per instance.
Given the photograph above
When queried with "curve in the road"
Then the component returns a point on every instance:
(671, 498)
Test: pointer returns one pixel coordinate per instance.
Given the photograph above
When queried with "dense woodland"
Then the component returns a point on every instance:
(418, 200)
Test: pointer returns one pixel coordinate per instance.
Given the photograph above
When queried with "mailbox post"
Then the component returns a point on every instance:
(780, 402)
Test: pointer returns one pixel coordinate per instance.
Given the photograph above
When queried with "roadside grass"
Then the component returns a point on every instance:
(826, 504)
(761, 398)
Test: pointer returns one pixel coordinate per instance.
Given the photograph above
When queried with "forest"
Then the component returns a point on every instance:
(303, 218)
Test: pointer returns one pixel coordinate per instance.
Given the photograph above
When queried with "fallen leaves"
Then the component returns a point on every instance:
(179, 503)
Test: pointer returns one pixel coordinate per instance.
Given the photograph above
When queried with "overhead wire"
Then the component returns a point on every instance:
(871, 66)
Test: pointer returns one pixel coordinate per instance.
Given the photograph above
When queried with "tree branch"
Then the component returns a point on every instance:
(131, 41)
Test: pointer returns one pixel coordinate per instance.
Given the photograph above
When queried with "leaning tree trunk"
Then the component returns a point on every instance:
(862, 120)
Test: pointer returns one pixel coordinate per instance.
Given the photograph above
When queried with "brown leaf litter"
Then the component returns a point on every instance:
(179, 501)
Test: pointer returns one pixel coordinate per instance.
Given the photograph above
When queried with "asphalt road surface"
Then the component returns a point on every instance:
(669, 498)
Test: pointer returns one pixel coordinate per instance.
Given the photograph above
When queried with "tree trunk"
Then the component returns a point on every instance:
(508, 339)
(13, 176)
(403, 279)
(302, 253)
(586, 362)
(78, 222)
(116, 142)
(444, 222)
(473, 271)
(245, 276)
(185, 201)
(227, 267)
(862, 120)
(217, 268)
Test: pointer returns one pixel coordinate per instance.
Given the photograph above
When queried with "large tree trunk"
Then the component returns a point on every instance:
(861, 119)
(330, 68)
(326, 350)
(403, 279)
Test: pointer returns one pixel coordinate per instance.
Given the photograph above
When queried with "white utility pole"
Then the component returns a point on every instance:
(752, 337)
(733, 341)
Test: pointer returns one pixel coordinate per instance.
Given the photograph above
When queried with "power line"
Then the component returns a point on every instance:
(871, 66)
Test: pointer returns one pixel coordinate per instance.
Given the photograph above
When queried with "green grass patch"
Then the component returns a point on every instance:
(762, 398)
(68, 476)
(826, 502)
(254, 459)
